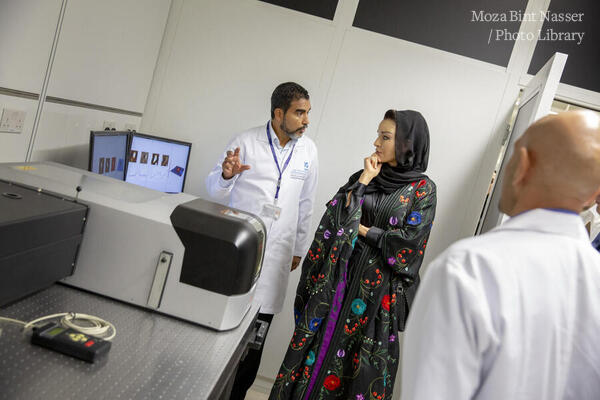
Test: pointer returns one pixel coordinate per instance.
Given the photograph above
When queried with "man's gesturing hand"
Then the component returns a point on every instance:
(232, 164)
(295, 263)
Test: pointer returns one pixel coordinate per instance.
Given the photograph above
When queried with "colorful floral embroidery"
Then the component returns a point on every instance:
(374, 281)
(385, 303)
(312, 255)
(361, 322)
(393, 220)
(341, 353)
(403, 254)
(355, 361)
(333, 202)
(327, 234)
(317, 278)
(340, 232)
(422, 183)
(314, 324)
(294, 375)
(306, 373)
(332, 382)
(414, 218)
(296, 316)
(310, 358)
(299, 344)
(360, 396)
(391, 260)
(358, 306)
(392, 338)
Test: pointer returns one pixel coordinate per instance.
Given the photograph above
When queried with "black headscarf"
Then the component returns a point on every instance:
(412, 154)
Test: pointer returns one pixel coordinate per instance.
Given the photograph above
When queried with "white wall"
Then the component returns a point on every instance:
(219, 63)
(107, 51)
(65, 133)
(26, 32)
(105, 55)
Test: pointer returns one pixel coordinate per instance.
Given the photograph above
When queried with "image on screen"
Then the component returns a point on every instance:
(107, 153)
(158, 164)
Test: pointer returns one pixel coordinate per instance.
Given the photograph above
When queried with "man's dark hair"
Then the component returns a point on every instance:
(284, 94)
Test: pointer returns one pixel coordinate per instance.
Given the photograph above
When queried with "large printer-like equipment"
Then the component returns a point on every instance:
(173, 253)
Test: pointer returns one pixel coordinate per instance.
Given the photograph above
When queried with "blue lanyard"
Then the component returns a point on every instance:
(562, 210)
(276, 162)
(596, 242)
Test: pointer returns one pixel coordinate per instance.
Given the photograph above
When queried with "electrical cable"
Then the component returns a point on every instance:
(92, 325)
(14, 321)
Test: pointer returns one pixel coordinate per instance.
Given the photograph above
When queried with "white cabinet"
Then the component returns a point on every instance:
(27, 29)
(107, 52)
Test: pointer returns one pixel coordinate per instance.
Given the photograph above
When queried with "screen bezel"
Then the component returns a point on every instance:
(94, 134)
(162, 139)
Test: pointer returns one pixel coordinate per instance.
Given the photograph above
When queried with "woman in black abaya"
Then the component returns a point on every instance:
(361, 272)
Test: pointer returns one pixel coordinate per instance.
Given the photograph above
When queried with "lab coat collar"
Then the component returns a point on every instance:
(547, 221)
(262, 137)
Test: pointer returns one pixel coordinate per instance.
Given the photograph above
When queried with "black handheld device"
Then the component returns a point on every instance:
(70, 342)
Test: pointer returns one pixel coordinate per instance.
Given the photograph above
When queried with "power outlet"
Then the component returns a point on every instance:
(108, 125)
(130, 127)
(12, 121)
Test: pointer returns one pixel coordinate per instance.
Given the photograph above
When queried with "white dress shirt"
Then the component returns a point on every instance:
(253, 189)
(511, 314)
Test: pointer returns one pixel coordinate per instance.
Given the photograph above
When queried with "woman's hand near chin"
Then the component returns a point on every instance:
(372, 167)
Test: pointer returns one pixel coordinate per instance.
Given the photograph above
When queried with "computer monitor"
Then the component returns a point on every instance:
(157, 163)
(108, 153)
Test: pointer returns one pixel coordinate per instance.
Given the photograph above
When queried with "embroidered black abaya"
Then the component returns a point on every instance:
(355, 292)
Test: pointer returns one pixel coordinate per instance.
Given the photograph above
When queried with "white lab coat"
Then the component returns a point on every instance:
(512, 314)
(249, 191)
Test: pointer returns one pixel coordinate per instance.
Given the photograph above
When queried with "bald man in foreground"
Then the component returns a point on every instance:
(515, 313)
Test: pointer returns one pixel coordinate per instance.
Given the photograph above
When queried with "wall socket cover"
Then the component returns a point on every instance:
(12, 120)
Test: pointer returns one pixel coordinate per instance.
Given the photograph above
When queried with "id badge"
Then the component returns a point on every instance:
(271, 211)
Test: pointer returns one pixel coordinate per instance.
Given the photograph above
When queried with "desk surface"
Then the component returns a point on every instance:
(152, 357)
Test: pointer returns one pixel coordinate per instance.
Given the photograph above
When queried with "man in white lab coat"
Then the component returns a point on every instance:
(515, 313)
(271, 171)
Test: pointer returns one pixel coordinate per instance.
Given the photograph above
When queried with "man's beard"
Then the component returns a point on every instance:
(292, 134)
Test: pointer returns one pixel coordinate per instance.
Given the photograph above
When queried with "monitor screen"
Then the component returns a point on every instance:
(158, 163)
(108, 151)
